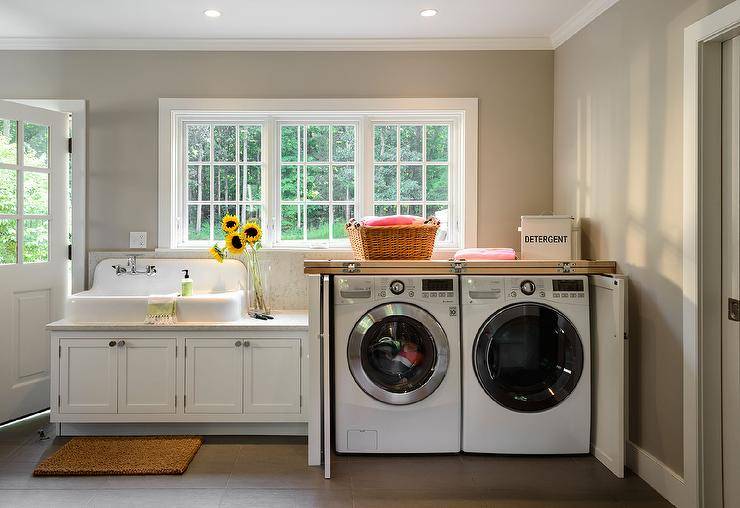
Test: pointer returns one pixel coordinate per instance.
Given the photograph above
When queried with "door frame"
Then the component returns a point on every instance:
(77, 108)
(703, 307)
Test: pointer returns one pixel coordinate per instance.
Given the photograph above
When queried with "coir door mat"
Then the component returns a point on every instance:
(95, 456)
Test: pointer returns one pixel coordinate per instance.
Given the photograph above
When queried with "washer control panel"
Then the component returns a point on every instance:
(427, 289)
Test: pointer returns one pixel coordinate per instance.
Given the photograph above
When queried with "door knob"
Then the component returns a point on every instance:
(121, 343)
(238, 343)
(246, 343)
(112, 343)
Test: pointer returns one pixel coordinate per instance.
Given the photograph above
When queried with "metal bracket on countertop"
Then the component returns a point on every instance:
(457, 266)
(566, 267)
(351, 267)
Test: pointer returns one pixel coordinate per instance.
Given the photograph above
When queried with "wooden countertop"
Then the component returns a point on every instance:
(443, 267)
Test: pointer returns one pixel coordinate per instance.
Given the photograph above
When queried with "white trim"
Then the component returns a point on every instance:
(276, 44)
(77, 108)
(662, 478)
(713, 27)
(170, 111)
(579, 21)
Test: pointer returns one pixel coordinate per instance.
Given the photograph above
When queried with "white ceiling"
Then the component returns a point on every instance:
(359, 24)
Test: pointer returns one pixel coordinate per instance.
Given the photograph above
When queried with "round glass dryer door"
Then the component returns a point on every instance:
(398, 353)
(528, 357)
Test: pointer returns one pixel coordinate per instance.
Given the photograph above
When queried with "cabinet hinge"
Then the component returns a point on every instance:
(175, 400)
(184, 400)
(457, 266)
(733, 309)
(176, 357)
(60, 350)
(566, 267)
(59, 401)
(351, 267)
(300, 401)
(69, 145)
(185, 351)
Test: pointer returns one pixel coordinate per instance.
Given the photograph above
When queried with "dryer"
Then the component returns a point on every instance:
(526, 365)
(397, 364)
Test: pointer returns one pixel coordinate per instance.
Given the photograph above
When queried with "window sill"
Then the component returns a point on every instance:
(313, 253)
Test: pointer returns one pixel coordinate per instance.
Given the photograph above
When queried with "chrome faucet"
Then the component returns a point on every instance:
(131, 270)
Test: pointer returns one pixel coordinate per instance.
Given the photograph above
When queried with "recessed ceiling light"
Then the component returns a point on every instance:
(212, 13)
(428, 13)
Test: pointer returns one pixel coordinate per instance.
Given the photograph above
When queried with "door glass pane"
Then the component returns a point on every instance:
(385, 183)
(385, 143)
(250, 180)
(199, 182)
(437, 183)
(8, 242)
(224, 143)
(291, 183)
(199, 143)
(199, 222)
(250, 143)
(343, 183)
(344, 143)
(317, 143)
(317, 221)
(411, 140)
(411, 178)
(8, 141)
(224, 183)
(317, 183)
(291, 222)
(398, 354)
(437, 143)
(341, 215)
(35, 193)
(35, 145)
(35, 240)
(8, 191)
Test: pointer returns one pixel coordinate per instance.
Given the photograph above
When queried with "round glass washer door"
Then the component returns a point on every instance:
(398, 353)
(528, 357)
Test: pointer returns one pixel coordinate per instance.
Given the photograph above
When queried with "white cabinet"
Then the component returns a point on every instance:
(146, 376)
(213, 376)
(87, 376)
(272, 376)
(116, 376)
(231, 376)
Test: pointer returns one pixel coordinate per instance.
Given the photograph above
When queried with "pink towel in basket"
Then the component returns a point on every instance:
(485, 254)
(392, 220)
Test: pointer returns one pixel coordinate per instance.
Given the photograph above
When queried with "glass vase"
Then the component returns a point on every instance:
(259, 284)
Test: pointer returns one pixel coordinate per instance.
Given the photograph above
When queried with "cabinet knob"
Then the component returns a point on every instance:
(112, 343)
(238, 343)
(246, 343)
(121, 343)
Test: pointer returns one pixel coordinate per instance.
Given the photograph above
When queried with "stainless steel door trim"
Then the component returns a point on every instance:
(354, 352)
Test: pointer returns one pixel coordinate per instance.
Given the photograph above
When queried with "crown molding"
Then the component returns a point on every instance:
(579, 21)
(173, 44)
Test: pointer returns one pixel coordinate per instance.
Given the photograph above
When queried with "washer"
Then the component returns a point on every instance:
(526, 365)
(397, 364)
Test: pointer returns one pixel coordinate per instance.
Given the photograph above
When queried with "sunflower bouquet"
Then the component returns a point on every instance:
(243, 242)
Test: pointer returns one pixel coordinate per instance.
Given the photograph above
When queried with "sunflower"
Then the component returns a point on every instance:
(217, 253)
(230, 223)
(236, 242)
(253, 232)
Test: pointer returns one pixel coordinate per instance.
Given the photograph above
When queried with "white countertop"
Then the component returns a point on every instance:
(285, 320)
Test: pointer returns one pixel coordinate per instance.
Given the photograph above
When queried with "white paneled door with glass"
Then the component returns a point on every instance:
(33, 251)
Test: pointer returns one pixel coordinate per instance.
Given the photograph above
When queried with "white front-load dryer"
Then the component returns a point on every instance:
(397, 364)
(526, 365)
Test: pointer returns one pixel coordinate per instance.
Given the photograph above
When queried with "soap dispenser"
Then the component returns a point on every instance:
(186, 284)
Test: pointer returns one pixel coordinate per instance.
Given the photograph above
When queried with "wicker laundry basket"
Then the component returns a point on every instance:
(413, 241)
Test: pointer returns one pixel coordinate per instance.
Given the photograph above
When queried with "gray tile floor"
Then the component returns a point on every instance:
(272, 472)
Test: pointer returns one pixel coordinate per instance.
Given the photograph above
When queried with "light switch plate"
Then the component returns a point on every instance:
(137, 240)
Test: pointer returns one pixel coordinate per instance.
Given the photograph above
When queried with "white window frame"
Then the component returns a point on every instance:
(462, 113)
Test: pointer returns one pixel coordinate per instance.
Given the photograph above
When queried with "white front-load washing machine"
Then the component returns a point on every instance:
(526, 364)
(397, 364)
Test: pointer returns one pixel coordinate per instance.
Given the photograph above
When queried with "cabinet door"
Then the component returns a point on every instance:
(87, 376)
(272, 376)
(146, 376)
(213, 376)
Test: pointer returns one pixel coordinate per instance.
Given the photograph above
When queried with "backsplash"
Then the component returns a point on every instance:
(288, 284)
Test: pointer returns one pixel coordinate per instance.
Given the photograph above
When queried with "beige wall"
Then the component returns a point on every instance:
(122, 88)
(618, 165)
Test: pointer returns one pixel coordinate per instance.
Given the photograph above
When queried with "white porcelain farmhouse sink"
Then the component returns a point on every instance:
(219, 293)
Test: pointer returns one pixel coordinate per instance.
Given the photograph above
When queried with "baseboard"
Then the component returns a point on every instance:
(662, 478)
(232, 429)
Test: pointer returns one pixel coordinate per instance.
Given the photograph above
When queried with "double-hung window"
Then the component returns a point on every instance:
(304, 173)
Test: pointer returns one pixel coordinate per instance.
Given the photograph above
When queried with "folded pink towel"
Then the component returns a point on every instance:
(392, 220)
(485, 254)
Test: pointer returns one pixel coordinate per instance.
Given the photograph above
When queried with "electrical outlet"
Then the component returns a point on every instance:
(137, 240)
